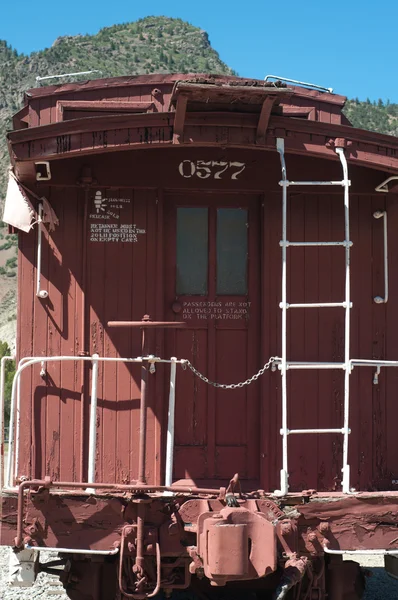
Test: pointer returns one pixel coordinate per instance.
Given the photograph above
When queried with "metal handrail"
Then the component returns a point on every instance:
(95, 359)
(72, 550)
(15, 408)
(376, 551)
(303, 83)
(38, 78)
(39, 292)
(382, 214)
(383, 186)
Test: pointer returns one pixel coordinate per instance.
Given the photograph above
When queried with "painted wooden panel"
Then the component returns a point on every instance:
(218, 432)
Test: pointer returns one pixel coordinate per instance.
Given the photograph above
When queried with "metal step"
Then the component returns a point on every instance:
(286, 183)
(303, 244)
(316, 305)
(293, 431)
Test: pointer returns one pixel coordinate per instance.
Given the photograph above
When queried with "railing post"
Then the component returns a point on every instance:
(170, 424)
(92, 450)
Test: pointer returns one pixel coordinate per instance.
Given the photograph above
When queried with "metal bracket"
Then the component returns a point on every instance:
(39, 175)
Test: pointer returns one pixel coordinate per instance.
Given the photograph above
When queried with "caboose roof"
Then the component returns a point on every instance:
(171, 78)
(165, 110)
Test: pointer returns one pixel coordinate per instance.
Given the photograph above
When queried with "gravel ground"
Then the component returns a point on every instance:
(45, 587)
(379, 586)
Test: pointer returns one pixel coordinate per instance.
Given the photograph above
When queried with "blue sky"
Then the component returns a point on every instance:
(348, 45)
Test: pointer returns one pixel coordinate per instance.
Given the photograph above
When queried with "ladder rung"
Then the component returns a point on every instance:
(313, 365)
(316, 305)
(293, 431)
(287, 183)
(287, 244)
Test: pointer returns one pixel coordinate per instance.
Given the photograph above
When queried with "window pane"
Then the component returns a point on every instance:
(232, 251)
(192, 251)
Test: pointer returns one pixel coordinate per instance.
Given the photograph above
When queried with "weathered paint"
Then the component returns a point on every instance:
(118, 180)
(124, 280)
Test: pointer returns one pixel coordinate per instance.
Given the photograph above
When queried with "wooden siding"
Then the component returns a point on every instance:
(123, 281)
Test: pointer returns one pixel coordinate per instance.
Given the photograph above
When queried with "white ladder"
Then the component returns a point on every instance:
(285, 364)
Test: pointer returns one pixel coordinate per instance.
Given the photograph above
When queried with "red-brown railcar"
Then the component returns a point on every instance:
(230, 224)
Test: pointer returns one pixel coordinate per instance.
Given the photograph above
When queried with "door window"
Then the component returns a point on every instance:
(231, 230)
(192, 251)
(231, 251)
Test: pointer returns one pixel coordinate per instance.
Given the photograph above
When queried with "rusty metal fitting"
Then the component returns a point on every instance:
(137, 570)
(173, 528)
(324, 527)
(129, 530)
(298, 562)
(286, 528)
(295, 568)
(312, 537)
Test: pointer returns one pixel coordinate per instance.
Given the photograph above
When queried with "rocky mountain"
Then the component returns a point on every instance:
(153, 44)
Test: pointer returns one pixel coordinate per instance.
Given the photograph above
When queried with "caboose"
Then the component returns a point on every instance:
(205, 398)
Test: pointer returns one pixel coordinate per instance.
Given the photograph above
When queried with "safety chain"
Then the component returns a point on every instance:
(232, 386)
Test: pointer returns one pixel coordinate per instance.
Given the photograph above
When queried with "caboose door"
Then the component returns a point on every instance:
(213, 282)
